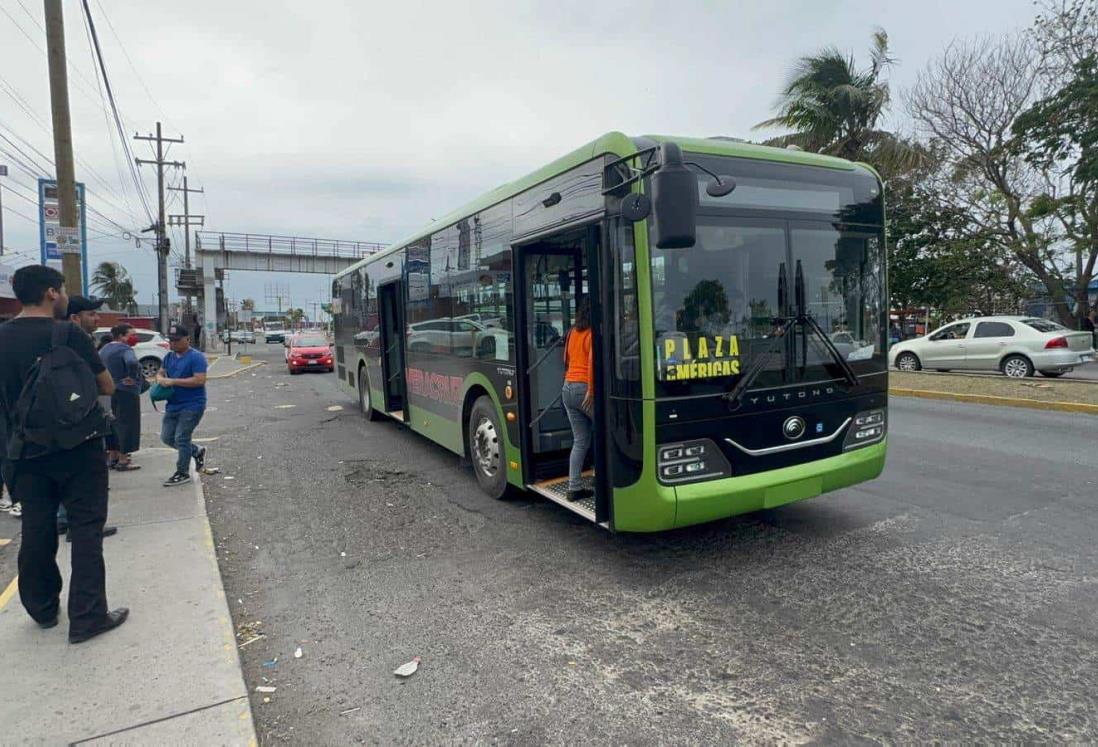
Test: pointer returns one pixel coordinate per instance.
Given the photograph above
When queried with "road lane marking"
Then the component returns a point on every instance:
(9, 592)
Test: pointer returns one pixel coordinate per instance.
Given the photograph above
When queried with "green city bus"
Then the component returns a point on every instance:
(738, 296)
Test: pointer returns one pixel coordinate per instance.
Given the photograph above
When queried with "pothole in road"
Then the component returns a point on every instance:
(364, 473)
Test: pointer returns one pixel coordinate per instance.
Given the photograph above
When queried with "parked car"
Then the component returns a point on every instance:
(1015, 345)
(150, 349)
(309, 352)
(239, 335)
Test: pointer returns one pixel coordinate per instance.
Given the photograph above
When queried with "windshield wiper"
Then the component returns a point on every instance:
(801, 320)
(775, 344)
(807, 321)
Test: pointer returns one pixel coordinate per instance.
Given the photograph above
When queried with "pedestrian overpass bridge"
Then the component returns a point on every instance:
(216, 252)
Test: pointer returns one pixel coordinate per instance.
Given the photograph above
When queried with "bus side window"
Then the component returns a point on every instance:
(626, 322)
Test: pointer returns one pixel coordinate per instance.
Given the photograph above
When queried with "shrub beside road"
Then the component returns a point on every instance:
(1035, 390)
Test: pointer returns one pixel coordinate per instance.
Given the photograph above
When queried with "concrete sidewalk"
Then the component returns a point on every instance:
(171, 674)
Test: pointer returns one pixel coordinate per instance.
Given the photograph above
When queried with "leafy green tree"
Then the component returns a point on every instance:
(112, 282)
(834, 107)
(1012, 115)
(1059, 135)
(937, 261)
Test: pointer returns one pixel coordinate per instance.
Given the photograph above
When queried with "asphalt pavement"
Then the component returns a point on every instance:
(951, 599)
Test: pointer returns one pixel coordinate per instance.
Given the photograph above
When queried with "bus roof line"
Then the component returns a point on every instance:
(617, 144)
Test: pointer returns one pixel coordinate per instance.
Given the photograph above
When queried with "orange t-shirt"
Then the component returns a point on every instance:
(577, 356)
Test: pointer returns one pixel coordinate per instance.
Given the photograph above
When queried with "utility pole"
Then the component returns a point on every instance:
(68, 239)
(274, 293)
(163, 247)
(185, 220)
(3, 172)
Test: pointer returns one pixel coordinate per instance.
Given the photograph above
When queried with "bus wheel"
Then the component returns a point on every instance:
(486, 448)
(364, 398)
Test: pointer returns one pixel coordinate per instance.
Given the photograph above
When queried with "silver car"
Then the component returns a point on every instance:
(1015, 345)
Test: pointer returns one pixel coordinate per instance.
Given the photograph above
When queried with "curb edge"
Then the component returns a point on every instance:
(990, 399)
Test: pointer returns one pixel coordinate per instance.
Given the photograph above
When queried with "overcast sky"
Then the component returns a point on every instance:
(365, 120)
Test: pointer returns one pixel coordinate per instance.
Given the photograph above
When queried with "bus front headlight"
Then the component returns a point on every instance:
(868, 428)
(690, 461)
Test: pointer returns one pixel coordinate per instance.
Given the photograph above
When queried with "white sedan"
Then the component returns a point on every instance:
(1015, 345)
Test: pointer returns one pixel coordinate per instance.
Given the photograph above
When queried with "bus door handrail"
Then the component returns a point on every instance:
(545, 355)
(546, 410)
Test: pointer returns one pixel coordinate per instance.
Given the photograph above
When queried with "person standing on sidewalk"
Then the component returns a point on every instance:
(184, 370)
(45, 474)
(121, 363)
(84, 313)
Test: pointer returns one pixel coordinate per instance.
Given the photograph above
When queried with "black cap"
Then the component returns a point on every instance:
(83, 303)
(178, 332)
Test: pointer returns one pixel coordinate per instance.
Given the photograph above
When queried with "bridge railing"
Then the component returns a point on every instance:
(254, 243)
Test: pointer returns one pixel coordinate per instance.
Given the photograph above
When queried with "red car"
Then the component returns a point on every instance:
(309, 353)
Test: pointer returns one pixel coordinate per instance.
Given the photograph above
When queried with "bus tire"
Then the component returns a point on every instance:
(486, 451)
(365, 400)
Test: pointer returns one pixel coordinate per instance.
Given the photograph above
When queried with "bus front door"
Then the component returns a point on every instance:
(391, 311)
(554, 275)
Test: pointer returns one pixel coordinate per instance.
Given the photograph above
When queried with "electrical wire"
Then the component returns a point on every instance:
(117, 115)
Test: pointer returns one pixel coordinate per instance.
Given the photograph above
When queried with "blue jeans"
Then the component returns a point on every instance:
(176, 430)
(572, 397)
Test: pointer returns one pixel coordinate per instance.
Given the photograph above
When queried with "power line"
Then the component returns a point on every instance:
(38, 171)
(107, 123)
(114, 108)
(137, 74)
(48, 172)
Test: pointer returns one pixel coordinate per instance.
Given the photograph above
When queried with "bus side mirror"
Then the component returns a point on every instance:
(674, 201)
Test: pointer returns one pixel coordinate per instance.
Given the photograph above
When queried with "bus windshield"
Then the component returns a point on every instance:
(717, 305)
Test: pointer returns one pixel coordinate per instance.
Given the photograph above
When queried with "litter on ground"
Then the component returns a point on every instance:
(407, 670)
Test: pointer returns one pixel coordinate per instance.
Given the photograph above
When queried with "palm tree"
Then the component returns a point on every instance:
(113, 283)
(833, 108)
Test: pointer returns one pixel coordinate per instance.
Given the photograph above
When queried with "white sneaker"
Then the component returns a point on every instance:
(16, 511)
(5, 502)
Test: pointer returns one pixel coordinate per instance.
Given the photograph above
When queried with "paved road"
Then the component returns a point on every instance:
(952, 599)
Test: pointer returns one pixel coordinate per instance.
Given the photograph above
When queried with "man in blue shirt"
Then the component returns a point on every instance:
(183, 369)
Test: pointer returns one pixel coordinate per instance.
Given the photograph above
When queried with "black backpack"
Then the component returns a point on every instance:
(58, 408)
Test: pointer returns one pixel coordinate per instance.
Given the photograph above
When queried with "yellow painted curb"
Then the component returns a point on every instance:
(990, 399)
(238, 371)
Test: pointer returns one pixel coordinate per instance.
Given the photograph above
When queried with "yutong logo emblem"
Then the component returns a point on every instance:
(793, 427)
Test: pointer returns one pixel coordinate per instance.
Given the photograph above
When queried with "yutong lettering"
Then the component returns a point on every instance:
(434, 386)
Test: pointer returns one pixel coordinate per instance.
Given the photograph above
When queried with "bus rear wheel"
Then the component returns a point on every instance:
(485, 436)
(365, 400)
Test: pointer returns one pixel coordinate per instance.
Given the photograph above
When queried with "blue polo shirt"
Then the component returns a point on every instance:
(183, 367)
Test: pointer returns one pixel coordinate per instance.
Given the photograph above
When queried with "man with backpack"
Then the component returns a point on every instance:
(50, 379)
